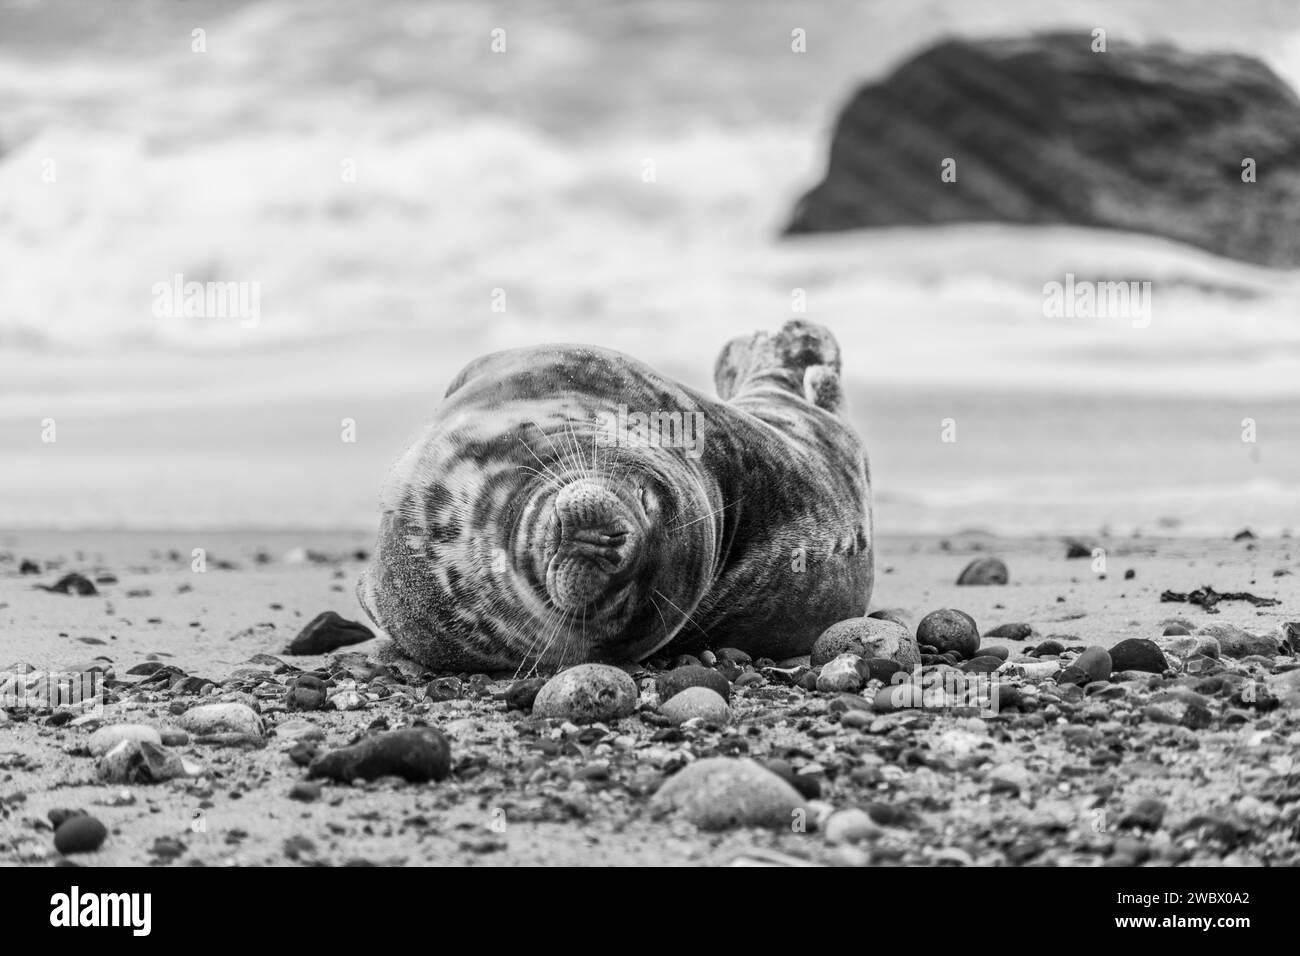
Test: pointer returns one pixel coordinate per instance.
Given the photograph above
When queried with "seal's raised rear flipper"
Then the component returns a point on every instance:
(802, 357)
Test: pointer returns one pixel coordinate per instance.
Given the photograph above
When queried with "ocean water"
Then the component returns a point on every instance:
(403, 199)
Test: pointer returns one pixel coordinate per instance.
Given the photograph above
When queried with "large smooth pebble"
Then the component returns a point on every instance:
(693, 702)
(1138, 654)
(984, 571)
(80, 834)
(226, 718)
(587, 694)
(671, 683)
(843, 675)
(867, 637)
(717, 793)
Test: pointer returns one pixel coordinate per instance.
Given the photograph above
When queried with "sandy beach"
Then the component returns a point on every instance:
(932, 769)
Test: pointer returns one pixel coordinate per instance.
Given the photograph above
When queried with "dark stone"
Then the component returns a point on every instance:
(996, 650)
(72, 584)
(1048, 648)
(881, 669)
(890, 614)
(671, 683)
(1092, 665)
(1150, 138)
(984, 664)
(445, 688)
(949, 630)
(1077, 549)
(1175, 630)
(307, 692)
(416, 754)
(81, 833)
(1011, 632)
(1138, 654)
(732, 655)
(29, 567)
(522, 693)
(807, 784)
(983, 571)
(304, 791)
(1130, 574)
(328, 632)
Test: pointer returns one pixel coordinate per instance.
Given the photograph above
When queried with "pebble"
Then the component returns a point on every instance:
(106, 738)
(140, 761)
(1011, 632)
(999, 651)
(949, 630)
(442, 689)
(326, 633)
(81, 833)
(73, 584)
(842, 675)
(984, 571)
(732, 655)
(307, 692)
(175, 738)
(296, 730)
(1093, 664)
(1172, 630)
(717, 793)
(850, 826)
(671, 683)
(807, 784)
(696, 702)
(1048, 648)
(1009, 778)
(416, 754)
(305, 791)
(1146, 814)
(587, 694)
(897, 697)
(228, 718)
(895, 614)
(982, 664)
(1138, 654)
(1235, 642)
(522, 693)
(867, 637)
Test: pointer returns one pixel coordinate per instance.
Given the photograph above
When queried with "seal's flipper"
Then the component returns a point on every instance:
(821, 386)
(783, 359)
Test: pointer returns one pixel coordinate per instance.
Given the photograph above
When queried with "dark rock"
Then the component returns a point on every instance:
(72, 584)
(304, 791)
(307, 692)
(1138, 654)
(1011, 632)
(733, 655)
(881, 669)
(81, 833)
(29, 567)
(949, 630)
(1175, 630)
(1149, 137)
(444, 688)
(671, 683)
(1130, 574)
(522, 693)
(416, 754)
(996, 650)
(1077, 549)
(807, 784)
(326, 633)
(983, 571)
(1093, 664)
(890, 614)
(983, 664)
(1048, 648)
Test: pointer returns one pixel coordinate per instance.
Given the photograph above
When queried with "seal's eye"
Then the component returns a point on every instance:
(645, 499)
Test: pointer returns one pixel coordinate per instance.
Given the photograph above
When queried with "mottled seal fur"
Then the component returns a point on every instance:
(568, 504)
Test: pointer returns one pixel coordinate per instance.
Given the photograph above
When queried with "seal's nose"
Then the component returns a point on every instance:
(596, 544)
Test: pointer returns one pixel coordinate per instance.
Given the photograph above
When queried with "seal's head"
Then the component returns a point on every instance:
(517, 534)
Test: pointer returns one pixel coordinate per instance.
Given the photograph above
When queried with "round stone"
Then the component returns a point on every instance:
(949, 630)
(867, 637)
(717, 793)
(1138, 654)
(106, 738)
(850, 826)
(587, 694)
(702, 702)
(671, 683)
(842, 675)
(80, 834)
(984, 571)
(226, 718)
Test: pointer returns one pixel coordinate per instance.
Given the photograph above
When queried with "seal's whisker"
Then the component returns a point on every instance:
(684, 615)
(659, 611)
(704, 517)
(546, 470)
